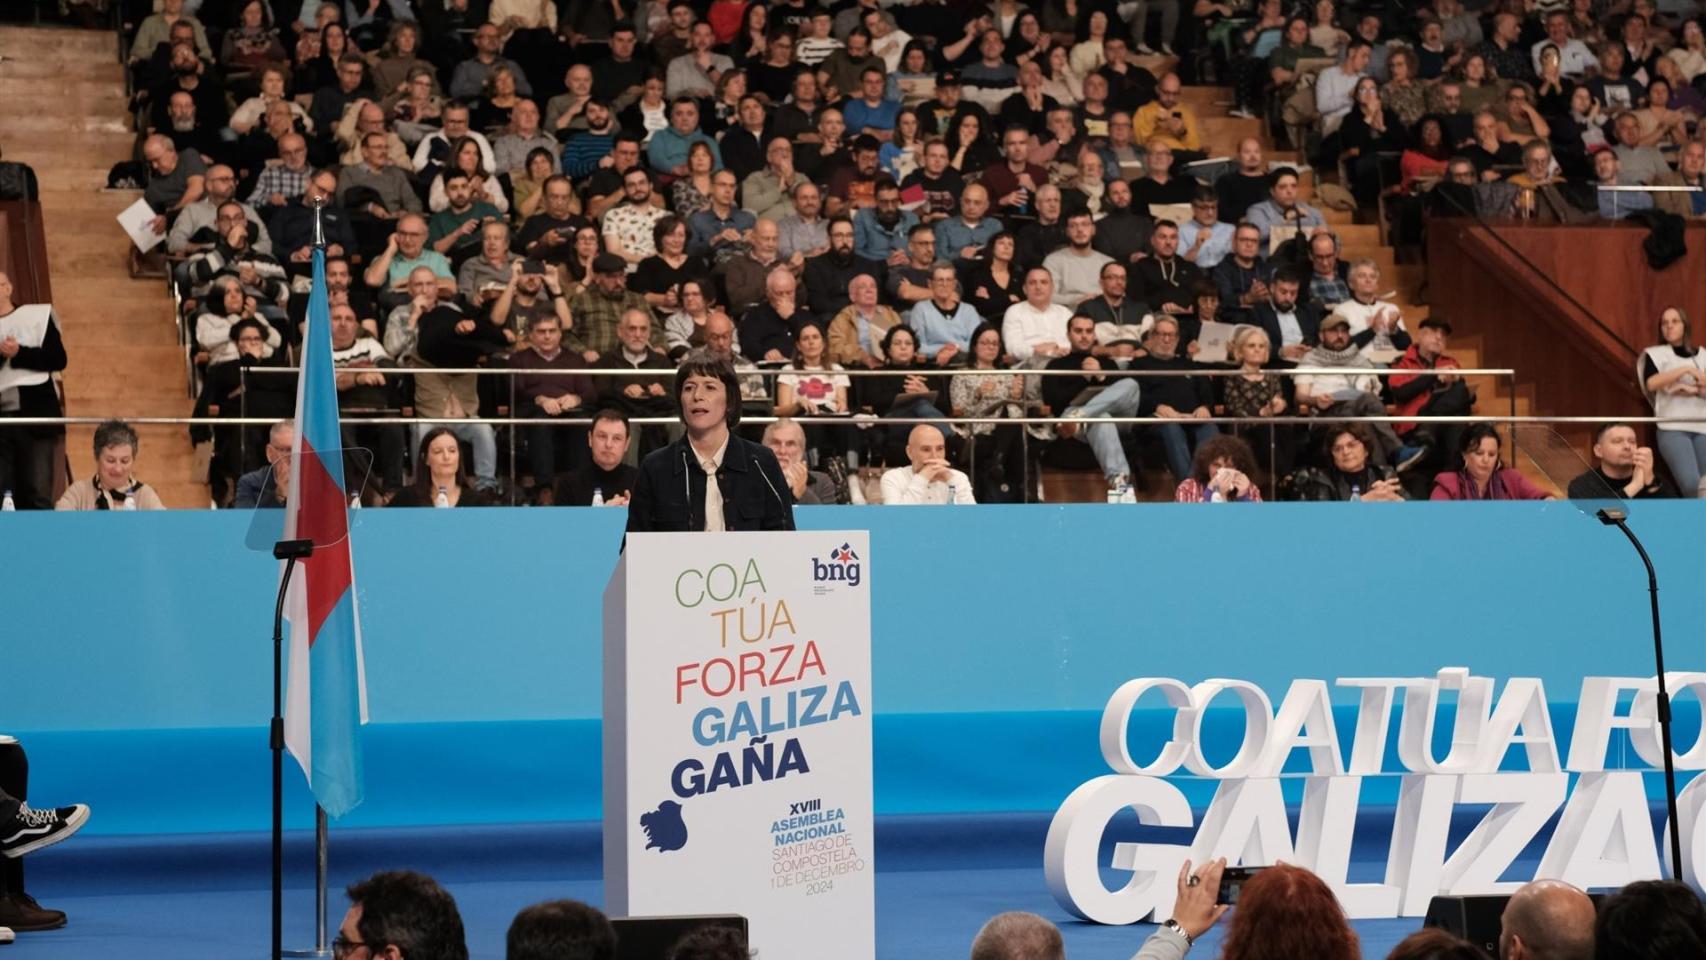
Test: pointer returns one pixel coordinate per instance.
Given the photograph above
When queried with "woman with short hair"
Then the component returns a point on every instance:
(114, 485)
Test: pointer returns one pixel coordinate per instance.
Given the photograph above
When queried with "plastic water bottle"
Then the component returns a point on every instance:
(1215, 496)
(130, 503)
(443, 499)
(355, 501)
(953, 495)
(6, 504)
(1356, 492)
(598, 496)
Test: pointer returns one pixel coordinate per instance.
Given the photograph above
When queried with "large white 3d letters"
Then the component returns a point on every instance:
(1602, 839)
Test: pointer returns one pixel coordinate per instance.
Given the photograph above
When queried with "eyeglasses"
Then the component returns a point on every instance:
(342, 947)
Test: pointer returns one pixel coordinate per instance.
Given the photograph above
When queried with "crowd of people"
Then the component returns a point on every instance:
(919, 212)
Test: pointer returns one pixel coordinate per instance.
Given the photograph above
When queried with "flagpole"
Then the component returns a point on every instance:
(320, 948)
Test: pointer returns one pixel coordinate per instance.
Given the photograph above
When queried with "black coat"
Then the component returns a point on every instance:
(669, 495)
(1308, 317)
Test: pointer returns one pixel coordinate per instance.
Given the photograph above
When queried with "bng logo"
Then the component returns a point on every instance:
(842, 567)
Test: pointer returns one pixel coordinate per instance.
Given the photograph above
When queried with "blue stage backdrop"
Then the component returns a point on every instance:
(138, 649)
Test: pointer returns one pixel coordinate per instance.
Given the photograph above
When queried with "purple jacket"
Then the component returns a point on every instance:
(1507, 484)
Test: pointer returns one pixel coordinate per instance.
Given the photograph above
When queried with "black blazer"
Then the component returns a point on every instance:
(669, 495)
(1308, 317)
(42, 399)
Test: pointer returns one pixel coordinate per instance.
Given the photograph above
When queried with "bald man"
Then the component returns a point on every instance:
(1547, 920)
(220, 184)
(175, 180)
(284, 182)
(927, 479)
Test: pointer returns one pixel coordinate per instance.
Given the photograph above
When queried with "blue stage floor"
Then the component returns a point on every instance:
(189, 898)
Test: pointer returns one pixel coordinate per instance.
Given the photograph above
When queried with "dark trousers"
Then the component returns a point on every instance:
(552, 450)
(14, 789)
(26, 466)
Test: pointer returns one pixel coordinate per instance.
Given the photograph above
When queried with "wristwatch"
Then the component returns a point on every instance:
(1173, 925)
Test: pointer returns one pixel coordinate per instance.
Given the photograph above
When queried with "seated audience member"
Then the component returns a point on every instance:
(1626, 469)
(628, 226)
(787, 440)
(684, 330)
(1690, 172)
(192, 231)
(1120, 321)
(481, 279)
(928, 477)
(114, 485)
(1246, 185)
(25, 830)
(1220, 473)
(721, 230)
(719, 338)
(857, 331)
(1292, 325)
(1351, 470)
(293, 227)
(1257, 393)
(363, 391)
(451, 231)
(259, 487)
(402, 914)
(1283, 207)
(1017, 935)
(1549, 918)
(1035, 330)
(767, 330)
(1165, 281)
(963, 237)
(1430, 394)
(827, 277)
(1650, 919)
(1185, 399)
(440, 480)
(1329, 276)
(375, 187)
(881, 232)
(811, 386)
(1204, 239)
(805, 232)
(282, 184)
(1159, 186)
(1243, 275)
(606, 473)
(598, 310)
(1092, 396)
(226, 305)
(175, 180)
(550, 233)
(1616, 203)
(1000, 452)
(1482, 474)
(768, 192)
(743, 274)
(1123, 233)
(914, 393)
(1171, 121)
(1377, 326)
(1673, 375)
(853, 186)
(1076, 268)
(940, 183)
(1045, 234)
(1640, 162)
(646, 392)
(558, 929)
(405, 252)
(908, 282)
(1349, 394)
(943, 321)
(542, 393)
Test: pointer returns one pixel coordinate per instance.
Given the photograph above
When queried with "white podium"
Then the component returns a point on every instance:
(737, 736)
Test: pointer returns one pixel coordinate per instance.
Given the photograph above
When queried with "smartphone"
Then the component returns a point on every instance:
(1232, 881)
(533, 267)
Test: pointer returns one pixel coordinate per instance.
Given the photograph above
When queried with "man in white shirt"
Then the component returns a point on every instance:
(1035, 330)
(1376, 325)
(928, 478)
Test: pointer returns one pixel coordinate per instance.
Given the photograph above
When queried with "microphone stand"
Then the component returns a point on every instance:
(1615, 517)
(290, 551)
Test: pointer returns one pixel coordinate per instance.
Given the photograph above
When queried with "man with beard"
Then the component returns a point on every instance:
(1123, 233)
(1292, 326)
(186, 131)
(1626, 469)
(607, 187)
(1354, 393)
(598, 310)
(550, 233)
(192, 76)
(1165, 279)
(853, 188)
(283, 183)
(293, 226)
(827, 276)
(1014, 183)
(451, 230)
(805, 232)
(909, 283)
(531, 290)
(1120, 321)
(628, 228)
(585, 147)
(339, 290)
(1090, 396)
(880, 232)
(1077, 267)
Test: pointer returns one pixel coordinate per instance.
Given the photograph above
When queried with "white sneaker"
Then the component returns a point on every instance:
(1167, 50)
(1145, 50)
(6, 935)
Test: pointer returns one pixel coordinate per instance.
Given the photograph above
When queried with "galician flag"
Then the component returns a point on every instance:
(326, 702)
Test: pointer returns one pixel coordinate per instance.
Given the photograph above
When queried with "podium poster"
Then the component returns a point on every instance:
(737, 736)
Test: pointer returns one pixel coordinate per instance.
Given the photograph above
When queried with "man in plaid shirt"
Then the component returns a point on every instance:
(598, 309)
(283, 183)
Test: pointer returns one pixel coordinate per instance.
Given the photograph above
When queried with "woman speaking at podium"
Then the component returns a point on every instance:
(675, 491)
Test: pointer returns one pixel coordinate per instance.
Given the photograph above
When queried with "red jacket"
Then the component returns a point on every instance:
(1409, 396)
(1506, 484)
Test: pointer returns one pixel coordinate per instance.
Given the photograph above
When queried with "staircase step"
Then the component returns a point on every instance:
(70, 46)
